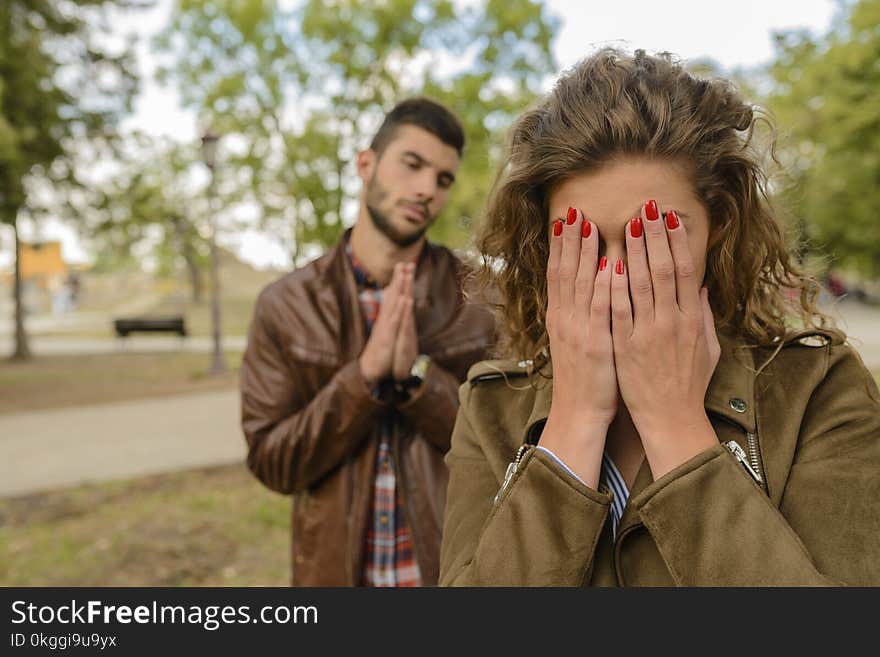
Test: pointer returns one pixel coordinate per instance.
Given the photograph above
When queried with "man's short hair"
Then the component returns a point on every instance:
(423, 113)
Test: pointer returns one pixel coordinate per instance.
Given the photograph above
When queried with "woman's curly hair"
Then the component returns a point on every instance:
(613, 104)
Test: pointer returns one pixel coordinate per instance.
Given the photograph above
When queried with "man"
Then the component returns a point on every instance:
(349, 382)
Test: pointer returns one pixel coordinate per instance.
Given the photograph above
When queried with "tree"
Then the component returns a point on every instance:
(153, 199)
(63, 85)
(300, 90)
(826, 98)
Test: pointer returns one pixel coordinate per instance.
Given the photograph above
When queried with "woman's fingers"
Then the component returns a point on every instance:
(659, 260)
(639, 274)
(621, 310)
(570, 257)
(586, 274)
(600, 306)
(553, 295)
(687, 288)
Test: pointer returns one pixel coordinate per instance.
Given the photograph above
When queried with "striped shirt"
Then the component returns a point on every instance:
(614, 482)
(389, 557)
(611, 478)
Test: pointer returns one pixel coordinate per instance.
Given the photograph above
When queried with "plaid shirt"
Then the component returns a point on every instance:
(389, 557)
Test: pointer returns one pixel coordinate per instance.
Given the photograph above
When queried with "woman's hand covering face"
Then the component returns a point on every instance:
(661, 331)
(665, 345)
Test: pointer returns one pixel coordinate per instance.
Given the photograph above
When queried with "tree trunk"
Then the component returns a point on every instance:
(297, 240)
(22, 349)
(182, 230)
(195, 274)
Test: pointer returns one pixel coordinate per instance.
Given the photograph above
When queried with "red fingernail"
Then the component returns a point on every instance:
(557, 228)
(619, 266)
(671, 220)
(651, 210)
(603, 262)
(635, 227)
(586, 229)
(572, 216)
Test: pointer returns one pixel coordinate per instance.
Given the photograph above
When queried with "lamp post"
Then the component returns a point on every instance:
(209, 156)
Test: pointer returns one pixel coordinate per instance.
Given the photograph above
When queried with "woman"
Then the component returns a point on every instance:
(660, 423)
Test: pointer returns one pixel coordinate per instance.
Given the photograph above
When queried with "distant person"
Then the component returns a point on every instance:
(835, 285)
(681, 422)
(350, 378)
(62, 301)
(73, 285)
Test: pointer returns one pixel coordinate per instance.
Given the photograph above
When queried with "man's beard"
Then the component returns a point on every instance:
(375, 195)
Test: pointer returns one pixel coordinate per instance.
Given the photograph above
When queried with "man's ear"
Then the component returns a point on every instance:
(366, 164)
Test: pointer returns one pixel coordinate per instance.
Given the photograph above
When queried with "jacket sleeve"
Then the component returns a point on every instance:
(432, 407)
(542, 532)
(293, 441)
(714, 526)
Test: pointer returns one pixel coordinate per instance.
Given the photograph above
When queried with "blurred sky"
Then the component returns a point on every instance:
(734, 34)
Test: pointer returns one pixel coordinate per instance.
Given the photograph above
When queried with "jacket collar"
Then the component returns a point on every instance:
(731, 392)
(338, 297)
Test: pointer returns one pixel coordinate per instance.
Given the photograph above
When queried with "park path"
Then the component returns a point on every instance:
(50, 449)
(63, 345)
(862, 325)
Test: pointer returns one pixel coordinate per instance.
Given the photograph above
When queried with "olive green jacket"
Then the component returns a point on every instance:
(801, 508)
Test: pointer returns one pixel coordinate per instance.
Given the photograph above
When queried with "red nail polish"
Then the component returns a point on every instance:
(635, 227)
(572, 216)
(557, 228)
(587, 228)
(603, 262)
(651, 211)
(619, 266)
(671, 220)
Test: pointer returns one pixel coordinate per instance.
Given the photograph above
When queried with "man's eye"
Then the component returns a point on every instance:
(413, 165)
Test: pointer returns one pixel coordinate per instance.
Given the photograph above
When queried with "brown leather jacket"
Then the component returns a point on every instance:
(312, 424)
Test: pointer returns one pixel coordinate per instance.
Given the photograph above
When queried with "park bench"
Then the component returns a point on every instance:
(126, 325)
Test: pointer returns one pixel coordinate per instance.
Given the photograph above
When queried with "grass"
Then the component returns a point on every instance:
(207, 527)
(56, 381)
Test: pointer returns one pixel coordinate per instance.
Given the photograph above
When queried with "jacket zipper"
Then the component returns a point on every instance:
(753, 454)
(511, 470)
(740, 455)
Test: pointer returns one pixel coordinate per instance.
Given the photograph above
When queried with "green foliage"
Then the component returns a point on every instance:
(63, 86)
(61, 83)
(302, 90)
(827, 101)
(152, 202)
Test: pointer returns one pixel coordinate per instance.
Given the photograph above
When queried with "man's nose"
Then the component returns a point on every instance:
(426, 185)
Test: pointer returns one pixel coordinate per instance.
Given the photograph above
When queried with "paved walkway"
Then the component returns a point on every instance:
(43, 450)
(46, 346)
(862, 326)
